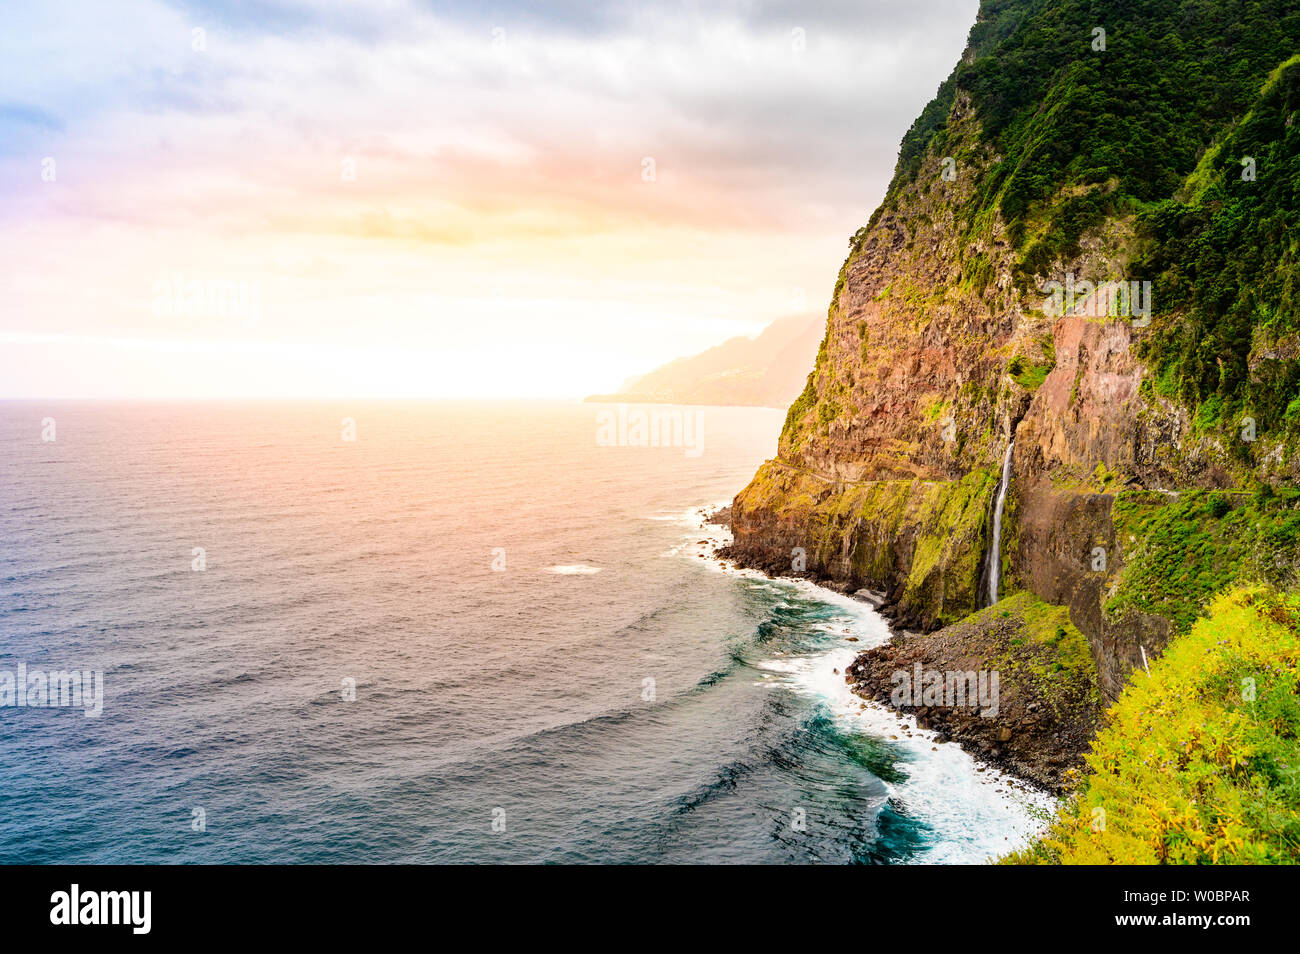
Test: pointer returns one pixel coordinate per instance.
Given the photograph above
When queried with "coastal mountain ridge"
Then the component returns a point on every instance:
(767, 370)
(1144, 156)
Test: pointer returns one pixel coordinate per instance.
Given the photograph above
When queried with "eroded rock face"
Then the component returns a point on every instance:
(934, 358)
(919, 541)
(1067, 554)
(1085, 413)
(1091, 411)
(887, 466)
(907, 384)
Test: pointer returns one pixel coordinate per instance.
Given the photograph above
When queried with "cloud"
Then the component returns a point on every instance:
(431, 151)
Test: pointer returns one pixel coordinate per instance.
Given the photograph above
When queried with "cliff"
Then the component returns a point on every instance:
(1154, 424)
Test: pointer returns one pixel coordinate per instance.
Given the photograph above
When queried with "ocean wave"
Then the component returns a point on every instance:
(975, 811)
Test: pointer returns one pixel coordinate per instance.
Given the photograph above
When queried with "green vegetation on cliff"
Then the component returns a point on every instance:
(1200, 761)
(1026, 374)
(1224, 265)
(1177, 114)
(1150, 140)
(1181, 549)
(864, 532)
(1064, 663)
(1087, 124)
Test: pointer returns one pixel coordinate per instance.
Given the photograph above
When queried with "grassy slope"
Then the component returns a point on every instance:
(1182, 550)
(1200, 761)
(1062, 665)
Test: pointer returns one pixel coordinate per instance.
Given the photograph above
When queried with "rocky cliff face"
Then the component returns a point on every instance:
(942, 345)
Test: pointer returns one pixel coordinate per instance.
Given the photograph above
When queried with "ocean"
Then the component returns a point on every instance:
(438, 632)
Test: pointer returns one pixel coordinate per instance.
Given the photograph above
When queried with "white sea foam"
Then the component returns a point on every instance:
(976, 815)
(976, 812)
(704, 538)
(693, 516)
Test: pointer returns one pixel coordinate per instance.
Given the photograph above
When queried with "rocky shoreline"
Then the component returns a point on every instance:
(1045, 715)
(1048, 706)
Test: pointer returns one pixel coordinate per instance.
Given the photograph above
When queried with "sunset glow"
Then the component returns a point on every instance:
(430, 201)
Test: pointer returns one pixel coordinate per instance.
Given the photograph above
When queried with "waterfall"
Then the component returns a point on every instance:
(993, 561)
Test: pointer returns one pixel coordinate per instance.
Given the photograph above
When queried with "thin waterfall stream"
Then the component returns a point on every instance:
(993, 562)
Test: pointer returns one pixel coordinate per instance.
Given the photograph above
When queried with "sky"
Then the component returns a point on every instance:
(299, 198)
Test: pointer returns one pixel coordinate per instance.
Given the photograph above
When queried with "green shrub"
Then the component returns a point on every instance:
(1199, 763)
